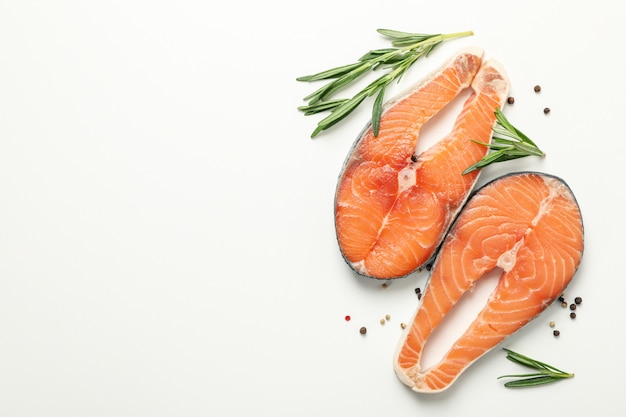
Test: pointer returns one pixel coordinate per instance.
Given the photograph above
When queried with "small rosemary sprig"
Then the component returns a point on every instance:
(545, 373)
(406, 49)
(512, 145)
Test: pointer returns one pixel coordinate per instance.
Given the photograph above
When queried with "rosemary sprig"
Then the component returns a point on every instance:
(512, 144)
(406, 49)
(545, 373)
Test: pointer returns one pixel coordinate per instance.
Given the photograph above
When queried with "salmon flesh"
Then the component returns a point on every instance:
(392, 206)
(529, 226)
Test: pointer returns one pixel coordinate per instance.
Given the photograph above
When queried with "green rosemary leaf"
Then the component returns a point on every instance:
(321, 106)
(530, 382)
(489, 159)
(377, 53)
(331, 73)
(533, 363)
(522, 360)
(406, 49)
(329, 89)
(547, 373)
(521, 375)
(396, 34)
(510, 144)
(377, 111)
(339, 113)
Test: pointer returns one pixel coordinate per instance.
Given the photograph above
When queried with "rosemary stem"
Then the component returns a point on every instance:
(437, 39)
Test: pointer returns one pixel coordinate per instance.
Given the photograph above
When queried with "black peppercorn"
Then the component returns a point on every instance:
(537, 88)
(510, 100)
(578, 300)
(556, 332)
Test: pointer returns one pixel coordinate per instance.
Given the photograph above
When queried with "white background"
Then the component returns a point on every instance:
(167, 242)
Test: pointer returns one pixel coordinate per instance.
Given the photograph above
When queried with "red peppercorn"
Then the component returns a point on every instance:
(348, 318)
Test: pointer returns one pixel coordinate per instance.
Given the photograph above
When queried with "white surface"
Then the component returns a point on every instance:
(167, 243)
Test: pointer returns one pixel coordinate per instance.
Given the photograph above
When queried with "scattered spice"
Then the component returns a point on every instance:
(578, 300)
(510, 100)
(384, 285)
(546, 110)
(403, 325)
(362, 330)
(552, 324)
(537, 88)
(572, 306)
(563, 304)
(348, 318)
(382, 322)
(556, 333)
(419, 296)
(572, 315)
(387, 317)
(561, 299)
(413, 158)
(418, 290)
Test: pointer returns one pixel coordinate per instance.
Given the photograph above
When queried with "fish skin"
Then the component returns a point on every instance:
(538, 247)
(392, 207)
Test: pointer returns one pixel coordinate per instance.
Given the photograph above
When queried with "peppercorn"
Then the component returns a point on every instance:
(510, 100)
(572, 315)
(382, 321)
(563, 304)
(572, 306)
(578, 300)
(418, 290)
(403, 325)
(546, 110)
(419, 296)
(552, 324)
(556, 332)
(362, 330)
(348, 318)
(537, 88)
(387, 317)
(561, 299)
(413, 158)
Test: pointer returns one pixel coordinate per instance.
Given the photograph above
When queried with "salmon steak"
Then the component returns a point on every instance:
(392, 206)
(527, 225)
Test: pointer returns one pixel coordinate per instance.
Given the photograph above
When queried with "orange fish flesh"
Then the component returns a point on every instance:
(393, 207)
(528, 225)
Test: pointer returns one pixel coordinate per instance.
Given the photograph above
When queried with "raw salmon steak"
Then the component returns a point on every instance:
(393, 207)
(529, 226)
